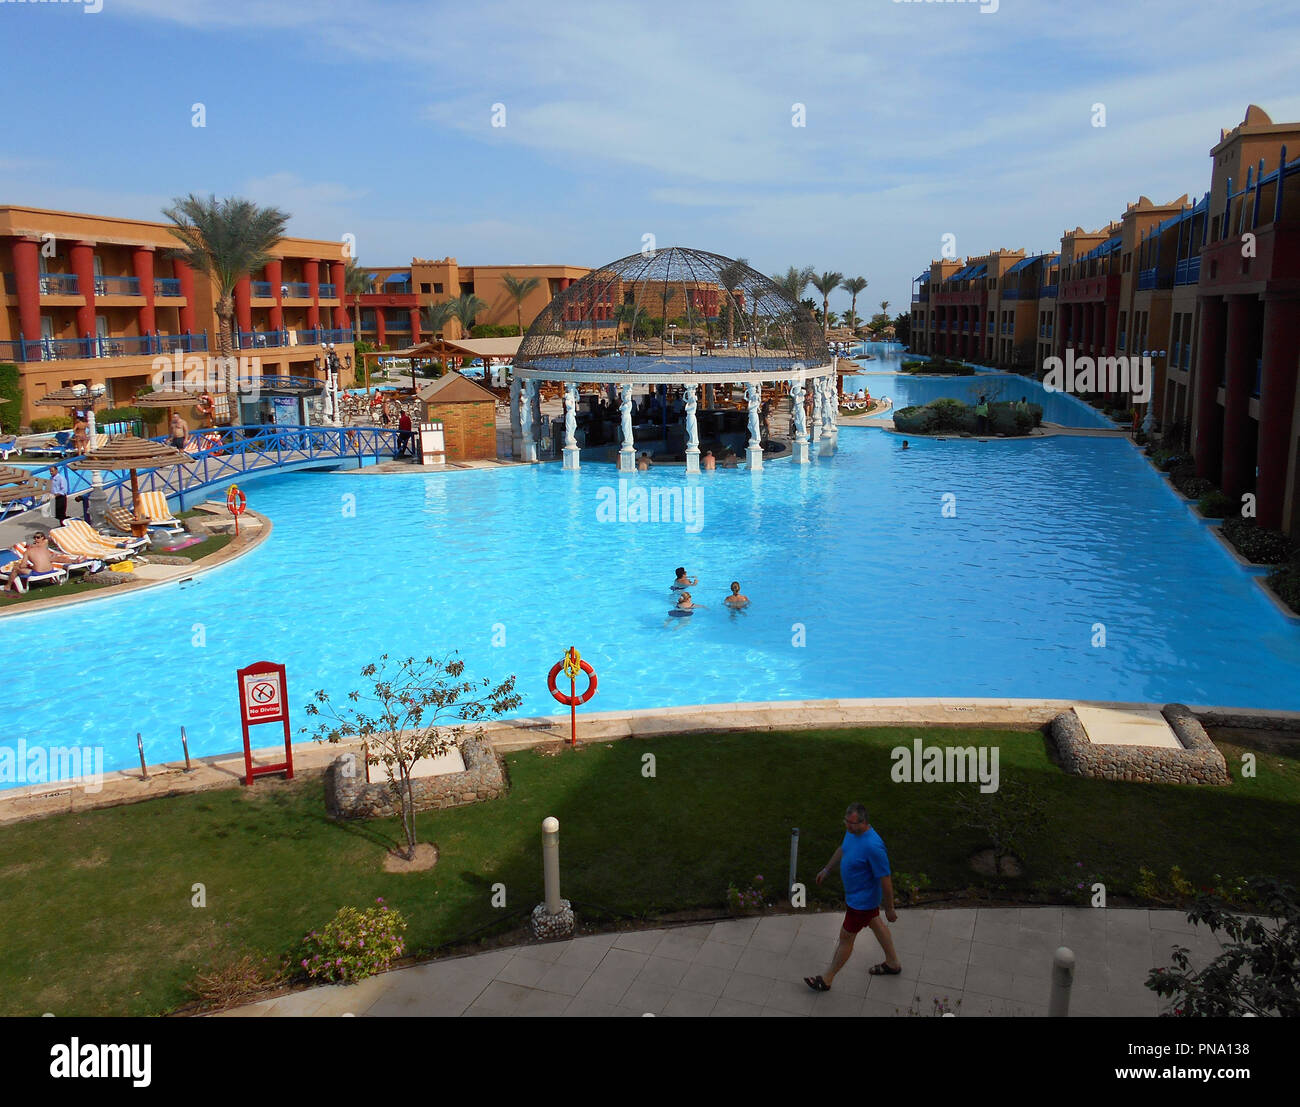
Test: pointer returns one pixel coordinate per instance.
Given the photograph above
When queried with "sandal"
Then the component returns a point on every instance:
(883, 969)
(816, 983)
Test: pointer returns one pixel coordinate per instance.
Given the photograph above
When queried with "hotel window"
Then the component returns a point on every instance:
(467, 288)
(437, 289)
(424, 288)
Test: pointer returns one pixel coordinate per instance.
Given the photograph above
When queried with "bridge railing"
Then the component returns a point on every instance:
(231, 453)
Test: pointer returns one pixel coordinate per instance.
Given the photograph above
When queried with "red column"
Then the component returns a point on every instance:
(1239, 357)
(27, 279)
(381, 331)
(311, 267)
(83, 264)
(341, 321)
(142, 264)
(1112, 329)
(275, 274)
(243, 308)
(1208, 443)
(415, 326)
(185, 275)
(1276, 406)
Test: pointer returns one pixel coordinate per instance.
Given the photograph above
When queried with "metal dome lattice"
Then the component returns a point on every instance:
(696, 310)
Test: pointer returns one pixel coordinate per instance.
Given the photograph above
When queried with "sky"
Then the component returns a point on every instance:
(375, 118)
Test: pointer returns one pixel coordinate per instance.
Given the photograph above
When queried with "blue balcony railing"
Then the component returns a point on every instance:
(262, 289)
(1188, 271)
(117, 286)
(1187, 355)
(68, 349)
(329, 291)
(335, 334)
(166, 286)
(1146, 279)
(60, 284)
(296, 288)
(1011, 294)
(1047, 292)
(257, 340)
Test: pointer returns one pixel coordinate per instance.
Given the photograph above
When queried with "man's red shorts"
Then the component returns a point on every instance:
(855, 920)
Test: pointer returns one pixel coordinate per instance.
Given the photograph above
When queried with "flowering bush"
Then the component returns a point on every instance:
(354, 945)
(748, 901)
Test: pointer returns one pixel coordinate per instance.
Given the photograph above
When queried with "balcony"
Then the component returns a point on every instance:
(329, 291)
(261, 289)
(166, 286)
(117, 286)
(1188, 271)
(60, 284)
(299, 289)
(1187, 355)
(1048, 292)
(74, 349)
(259, 340)
(319, 336)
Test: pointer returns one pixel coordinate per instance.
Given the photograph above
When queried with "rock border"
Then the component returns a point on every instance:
(1198, 762)
(348, 796)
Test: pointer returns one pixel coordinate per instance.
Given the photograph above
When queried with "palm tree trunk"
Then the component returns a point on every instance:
(226, 353)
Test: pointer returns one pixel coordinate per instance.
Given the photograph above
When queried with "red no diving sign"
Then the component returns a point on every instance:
(262, 699)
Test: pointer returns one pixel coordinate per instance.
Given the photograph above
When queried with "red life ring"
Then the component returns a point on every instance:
(236, 501)
(564, 697)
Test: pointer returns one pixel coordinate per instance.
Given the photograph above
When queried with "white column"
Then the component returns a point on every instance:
(754, 452)
(516, 431)
(570, 425)
(817, 409)
(829, 406)
(529, 452)
(627, 453)
(800, 436)
(692, 432)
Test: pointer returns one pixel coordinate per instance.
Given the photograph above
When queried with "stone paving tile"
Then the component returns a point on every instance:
(761, 962)
(1175, 921)
(511, 999)
(543, 951)
(639, 941)
(773, 941)
(877, 1009)
(942, 947)
(942, 974)
(748, 988)
(680, 947)
(836, 1004)
(1045, 919)
(1035, 953)
(988, 980)
(604, 989)
(824, 924)
(644, 997)
(997, 931)
(890, 989)
(620, 964)
(666, 972)
(708, 979)
(582, 1008)
(986, 956)
(486, 964)
(586, 953)
(721, 955)
(954, 924)
(565, 979)
(795, 997)
(522, 971)
(733, 931)
(734, 1009)
(690, 1004)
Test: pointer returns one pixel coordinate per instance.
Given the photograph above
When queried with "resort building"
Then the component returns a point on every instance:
(93, 299)
(1208, 290)
(389, 315)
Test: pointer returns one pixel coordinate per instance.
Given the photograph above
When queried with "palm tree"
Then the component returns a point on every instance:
(826, 284)
(853, 286)
(227, 240)
(884, 307)
(729, 276)
(794, 281)
(356, 282)
(466, 308)
(518, 289)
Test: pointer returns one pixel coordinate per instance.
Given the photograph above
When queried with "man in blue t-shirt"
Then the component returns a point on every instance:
(864, 868)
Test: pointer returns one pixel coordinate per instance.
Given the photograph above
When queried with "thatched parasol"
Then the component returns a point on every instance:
(126, 451)
(78, 396)
(168, 397)
(21, 484)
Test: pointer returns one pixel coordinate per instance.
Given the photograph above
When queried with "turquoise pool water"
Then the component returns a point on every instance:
(860, 587)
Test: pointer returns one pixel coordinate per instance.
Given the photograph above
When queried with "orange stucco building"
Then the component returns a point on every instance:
(94, 299)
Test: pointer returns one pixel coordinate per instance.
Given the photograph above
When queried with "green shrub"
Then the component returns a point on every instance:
(354, 945)
(1256, 543)
(1286, 583)
(939, 365)
(914, 420)
(1193, 487)
(494, 330)
(1215, 505)
(11, 390)
(48, 423)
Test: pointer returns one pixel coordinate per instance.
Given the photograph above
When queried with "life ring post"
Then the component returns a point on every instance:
(572, 664)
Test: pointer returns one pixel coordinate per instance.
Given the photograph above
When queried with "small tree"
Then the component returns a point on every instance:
(1004, 818)
(1257, 974)
(405, 715)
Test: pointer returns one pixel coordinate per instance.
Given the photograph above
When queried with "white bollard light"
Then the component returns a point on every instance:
(551, 862)
(1058, 1006)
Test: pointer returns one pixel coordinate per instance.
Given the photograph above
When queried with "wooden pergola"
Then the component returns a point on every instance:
(441, 349)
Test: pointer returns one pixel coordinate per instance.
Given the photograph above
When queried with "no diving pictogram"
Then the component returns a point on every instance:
(263, 693)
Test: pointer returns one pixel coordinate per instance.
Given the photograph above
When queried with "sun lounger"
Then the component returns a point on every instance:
(8, 446)
(154, 505)
(72, 564)
(57, 445)
(78, 539)
(9, 560)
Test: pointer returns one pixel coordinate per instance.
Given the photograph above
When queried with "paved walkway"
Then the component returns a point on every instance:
(995, 961)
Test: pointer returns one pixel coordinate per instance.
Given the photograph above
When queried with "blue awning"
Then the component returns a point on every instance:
(1024, 263)
(979, 271)
(398, 278)
(960, 275)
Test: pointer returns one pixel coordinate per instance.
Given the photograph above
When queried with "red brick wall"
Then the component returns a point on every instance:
(470, 430)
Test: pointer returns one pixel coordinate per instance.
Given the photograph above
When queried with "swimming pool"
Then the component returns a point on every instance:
(860, 587)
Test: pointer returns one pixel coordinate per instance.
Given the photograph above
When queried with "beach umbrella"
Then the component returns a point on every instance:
(21, 484)
(127, 452)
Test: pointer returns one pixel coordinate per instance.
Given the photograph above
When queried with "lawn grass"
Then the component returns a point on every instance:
(209, 545)
(97, 916)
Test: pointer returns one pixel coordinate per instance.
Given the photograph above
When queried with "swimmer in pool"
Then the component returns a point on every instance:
(684, 608)
(736, 600)
(683, 581)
